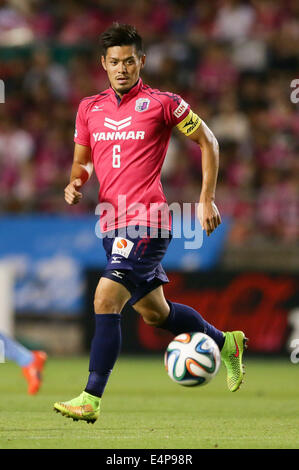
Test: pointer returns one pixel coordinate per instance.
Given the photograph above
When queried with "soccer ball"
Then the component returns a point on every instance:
(192, 359)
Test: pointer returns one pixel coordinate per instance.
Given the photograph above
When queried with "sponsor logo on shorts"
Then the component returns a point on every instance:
(122, 243)
(118, 274)
(122, 246)
(115, 259)
(179, 111)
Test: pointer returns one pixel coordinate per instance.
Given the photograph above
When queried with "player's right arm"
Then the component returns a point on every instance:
(81, 171)
(82, 162)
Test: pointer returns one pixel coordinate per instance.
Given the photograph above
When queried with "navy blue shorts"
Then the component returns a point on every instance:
(136, 262)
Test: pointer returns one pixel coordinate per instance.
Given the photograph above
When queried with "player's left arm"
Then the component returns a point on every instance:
(208, 213)
(179, 114)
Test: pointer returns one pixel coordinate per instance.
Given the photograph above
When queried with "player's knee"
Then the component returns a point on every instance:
(151, 317)
(106, 305)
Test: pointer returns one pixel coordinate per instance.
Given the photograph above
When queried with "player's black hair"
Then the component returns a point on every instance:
(121, 35)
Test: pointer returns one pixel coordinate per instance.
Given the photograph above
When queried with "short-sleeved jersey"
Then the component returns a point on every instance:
(129, 140)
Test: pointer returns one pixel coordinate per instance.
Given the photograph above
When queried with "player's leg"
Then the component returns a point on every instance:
(179, 318)
(174, 317)
(16, 352)
(110, 298)
(31, 362)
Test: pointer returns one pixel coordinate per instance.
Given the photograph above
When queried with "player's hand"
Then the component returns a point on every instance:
(71, 195)
(209, 216)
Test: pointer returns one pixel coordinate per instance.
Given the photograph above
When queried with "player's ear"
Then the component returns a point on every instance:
(103, 61)
(142, 60)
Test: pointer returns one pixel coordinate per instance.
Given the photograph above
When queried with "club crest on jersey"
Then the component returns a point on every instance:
(142, 104)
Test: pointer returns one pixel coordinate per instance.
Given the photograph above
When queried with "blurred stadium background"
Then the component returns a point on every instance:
(234, 62)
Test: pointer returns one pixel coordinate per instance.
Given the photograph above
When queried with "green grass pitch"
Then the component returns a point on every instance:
(143, 409)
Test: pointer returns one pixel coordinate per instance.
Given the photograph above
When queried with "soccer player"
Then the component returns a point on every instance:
(123, 133)
(31, 362)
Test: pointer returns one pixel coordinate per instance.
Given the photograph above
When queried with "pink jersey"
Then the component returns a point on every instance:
(129, 140)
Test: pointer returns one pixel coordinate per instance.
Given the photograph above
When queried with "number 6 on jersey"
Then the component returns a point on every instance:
(116, 156)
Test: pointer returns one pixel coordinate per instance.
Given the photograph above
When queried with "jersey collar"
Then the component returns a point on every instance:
(131, 93)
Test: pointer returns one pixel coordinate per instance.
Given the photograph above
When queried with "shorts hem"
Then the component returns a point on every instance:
(144, 290)
(124, 282)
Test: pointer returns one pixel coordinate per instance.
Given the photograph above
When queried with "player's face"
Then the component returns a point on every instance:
(123, 65)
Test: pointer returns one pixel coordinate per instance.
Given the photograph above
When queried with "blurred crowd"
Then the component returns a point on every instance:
(232, 60)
